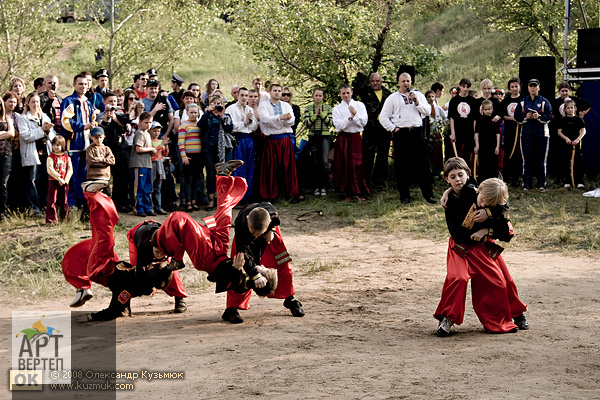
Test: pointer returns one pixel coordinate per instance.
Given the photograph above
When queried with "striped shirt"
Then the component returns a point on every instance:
(188, 139)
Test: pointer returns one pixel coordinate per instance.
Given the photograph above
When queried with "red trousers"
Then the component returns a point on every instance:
(93, 260)
(348, 174)
(57, 198)
(175, 288)
(488, 288)
(275, 256)
(206, 247)
(278, 169)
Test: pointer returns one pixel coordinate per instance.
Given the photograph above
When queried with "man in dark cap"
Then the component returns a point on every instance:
(102, 78)
(152, 73)
(176, 82)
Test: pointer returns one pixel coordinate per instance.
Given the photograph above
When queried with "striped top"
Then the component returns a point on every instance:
(189, 139)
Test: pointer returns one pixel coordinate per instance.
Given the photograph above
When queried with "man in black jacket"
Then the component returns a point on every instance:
(375, 139)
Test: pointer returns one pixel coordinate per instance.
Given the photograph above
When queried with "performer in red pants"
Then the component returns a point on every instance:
(262, 245)
(140, 253)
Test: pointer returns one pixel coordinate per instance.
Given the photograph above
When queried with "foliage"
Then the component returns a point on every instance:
(28, 30)
(327, 42)
(542, 20)
(145, 34)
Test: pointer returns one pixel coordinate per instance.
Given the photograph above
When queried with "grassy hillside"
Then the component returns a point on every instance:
(470, 48)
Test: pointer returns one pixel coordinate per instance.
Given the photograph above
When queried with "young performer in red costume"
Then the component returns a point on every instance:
(495, 298)
(95, 260)
(257, 235)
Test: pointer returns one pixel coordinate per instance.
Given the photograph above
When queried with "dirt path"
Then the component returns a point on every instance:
(368, 332)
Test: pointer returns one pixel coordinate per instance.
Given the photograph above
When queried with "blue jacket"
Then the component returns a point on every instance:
(532, 127)
(210, 124)
(72, 121)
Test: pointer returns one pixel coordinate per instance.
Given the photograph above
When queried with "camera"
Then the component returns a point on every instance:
(53, 85)
(218, 107)
(114, 108)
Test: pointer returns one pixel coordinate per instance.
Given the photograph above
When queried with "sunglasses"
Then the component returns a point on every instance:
(132, 98)
(286, 95)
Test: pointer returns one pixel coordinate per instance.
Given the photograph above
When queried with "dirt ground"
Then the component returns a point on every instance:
(368, 332)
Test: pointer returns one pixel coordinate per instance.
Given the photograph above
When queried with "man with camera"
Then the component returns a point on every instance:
(50, 101)
(114, 122)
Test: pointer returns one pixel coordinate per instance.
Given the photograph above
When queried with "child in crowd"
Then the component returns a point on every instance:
(140, 166)
(60, 170)
(487, 142)
(471, 254)
(216, 126)
(98, 158)
(190, 149)
(571, 129)
(158, 170)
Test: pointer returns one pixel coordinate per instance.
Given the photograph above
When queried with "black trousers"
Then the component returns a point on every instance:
(410, 162)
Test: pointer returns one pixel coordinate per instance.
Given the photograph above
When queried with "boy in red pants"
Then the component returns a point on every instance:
(495, 297)
(257, 235)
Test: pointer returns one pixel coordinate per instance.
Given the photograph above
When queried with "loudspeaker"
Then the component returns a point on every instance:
(588, 48)
(541, 68)
(406, 68)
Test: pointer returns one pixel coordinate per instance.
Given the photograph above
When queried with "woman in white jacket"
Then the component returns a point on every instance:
(33, 125)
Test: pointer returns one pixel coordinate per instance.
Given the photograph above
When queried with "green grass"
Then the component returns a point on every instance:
(557, 220)
(32, 252)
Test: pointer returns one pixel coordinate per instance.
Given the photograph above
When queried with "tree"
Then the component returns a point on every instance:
(328, 42)
(542, 19)
(142, 33)
(30, 38)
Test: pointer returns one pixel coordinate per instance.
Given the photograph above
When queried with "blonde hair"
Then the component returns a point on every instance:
(493, 191)
(486, 82)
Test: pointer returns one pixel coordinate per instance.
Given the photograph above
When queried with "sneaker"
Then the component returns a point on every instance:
(160, 211)
(81, 296)
(180, 306)
(443, 329)
(151, 214)
(323, 192)
(521, 322)
(317, 192)
(567, 185)
(294, 306)
(542, 188)
(141, 214)
(232, 315)
(580, 186)
(94, 186)
(226, 168)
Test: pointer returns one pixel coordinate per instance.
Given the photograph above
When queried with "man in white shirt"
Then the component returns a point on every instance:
(244, 123)
(349, 119)
(278, 166)
(402, 115)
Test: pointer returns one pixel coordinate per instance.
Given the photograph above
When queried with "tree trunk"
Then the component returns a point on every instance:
(379, 44)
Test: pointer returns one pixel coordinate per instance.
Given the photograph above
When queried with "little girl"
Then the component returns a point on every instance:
(158, 170)
(571, 129)
(59, 173)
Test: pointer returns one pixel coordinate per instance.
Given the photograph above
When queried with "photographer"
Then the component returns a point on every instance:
(116, 126)
(50, 104)
(216, 127)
